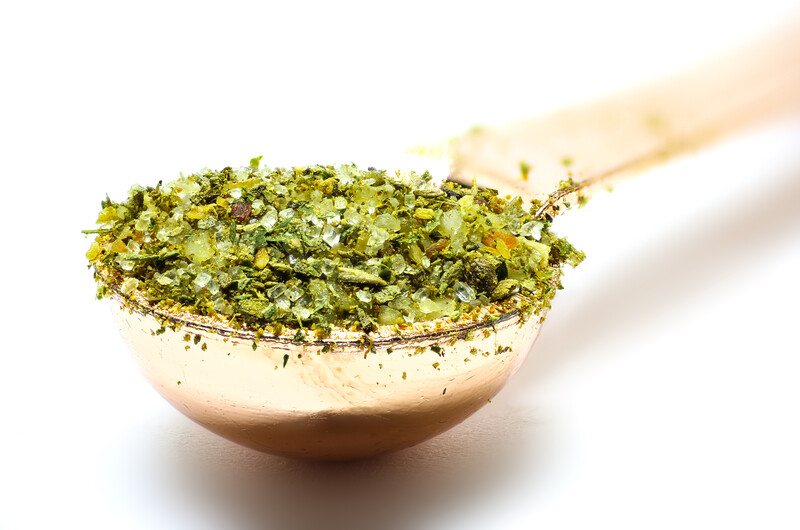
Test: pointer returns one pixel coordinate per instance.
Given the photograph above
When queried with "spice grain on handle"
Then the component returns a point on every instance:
(603, 140)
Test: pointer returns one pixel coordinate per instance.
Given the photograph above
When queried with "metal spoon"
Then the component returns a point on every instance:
(335, 399)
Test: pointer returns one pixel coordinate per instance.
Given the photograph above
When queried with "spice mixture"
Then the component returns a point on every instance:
(319, 247)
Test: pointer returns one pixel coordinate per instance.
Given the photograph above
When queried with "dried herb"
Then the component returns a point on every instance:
(524, 170)
(312, 248)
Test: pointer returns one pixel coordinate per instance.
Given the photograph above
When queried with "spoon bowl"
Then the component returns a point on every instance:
(332, 399)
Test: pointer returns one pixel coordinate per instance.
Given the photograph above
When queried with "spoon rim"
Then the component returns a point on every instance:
(443, 327)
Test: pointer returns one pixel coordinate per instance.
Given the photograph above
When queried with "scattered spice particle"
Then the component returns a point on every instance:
(285, 359)
(655, 122)
(404, 376)
(524, 169)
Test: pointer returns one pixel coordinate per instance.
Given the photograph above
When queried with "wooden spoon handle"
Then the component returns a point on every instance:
(632, 130)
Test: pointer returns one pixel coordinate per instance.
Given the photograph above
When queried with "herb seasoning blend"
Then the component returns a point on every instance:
(309, 249)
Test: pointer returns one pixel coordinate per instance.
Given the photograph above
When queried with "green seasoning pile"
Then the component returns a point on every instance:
(313, 248)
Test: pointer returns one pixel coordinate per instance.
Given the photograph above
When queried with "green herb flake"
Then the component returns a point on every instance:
(255, 162)
(358, 277)
(524, 170)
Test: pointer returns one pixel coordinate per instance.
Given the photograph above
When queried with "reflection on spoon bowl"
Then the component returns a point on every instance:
(333, 399)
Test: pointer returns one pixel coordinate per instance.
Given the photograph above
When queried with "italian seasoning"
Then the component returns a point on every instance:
(322, 247)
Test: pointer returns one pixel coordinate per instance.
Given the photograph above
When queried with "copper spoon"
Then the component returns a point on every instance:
(330, 399)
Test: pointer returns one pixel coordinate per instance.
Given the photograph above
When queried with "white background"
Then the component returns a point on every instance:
(662, 393)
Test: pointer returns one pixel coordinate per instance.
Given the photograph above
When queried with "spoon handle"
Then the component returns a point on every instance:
(603, 140)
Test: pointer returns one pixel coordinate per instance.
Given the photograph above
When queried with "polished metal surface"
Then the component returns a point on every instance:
(297, 400)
